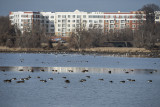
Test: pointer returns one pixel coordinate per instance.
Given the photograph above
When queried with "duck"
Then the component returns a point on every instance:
(64, 77)
(20, 69)
(14, 79)
(43, 80)
(38, 77)
(3, 70)
(31, 70)
(101, 79)
(126, 72)
(70, 70)
(84, 71)
(88, 76)
(50, 78)
(122, 81)
(42, 70)
(111, 81)
(109, 72)
(67, 81)
(82, 80)
(149, 80)
(29, 76)
(7, 80)
(20, 81)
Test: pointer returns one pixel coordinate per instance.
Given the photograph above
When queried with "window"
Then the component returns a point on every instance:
(111, 26)
(133, 21)
(47, 17)
(78, 16)
(84, 16)
(133, 26)
(63, 21)
(73, 25)
(47, 21)
(111, 21)
(52, 16)
(52, 30)
(69, 16)
(68, 20)
(100, 21)
(106, 21)
(73, 20)
(90, 21)
(68, 25)
(84, 21)
(95, 21)
(63, 25)
(122, 21)
(78, 21)
(59, 20)
(63, 16)
(59, 30)
(68, 30)
(117, 26)
(73, 16)
(117, 21)
(59, 16)
(59, 25)
(52, 25)
(90, 25)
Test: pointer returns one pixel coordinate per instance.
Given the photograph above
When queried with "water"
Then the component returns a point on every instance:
(92, 92)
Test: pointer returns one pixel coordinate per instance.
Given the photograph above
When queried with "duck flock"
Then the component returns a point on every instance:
(67, 81)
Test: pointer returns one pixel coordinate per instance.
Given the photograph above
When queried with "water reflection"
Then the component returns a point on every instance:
(80, 70)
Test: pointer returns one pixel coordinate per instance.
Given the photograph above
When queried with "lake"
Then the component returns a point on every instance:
(75, 80)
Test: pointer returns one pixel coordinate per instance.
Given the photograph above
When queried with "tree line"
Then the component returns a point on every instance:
(146, 36)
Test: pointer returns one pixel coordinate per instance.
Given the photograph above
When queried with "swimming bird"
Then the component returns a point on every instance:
(7, 80)
(149, 80)
(82, 80)
(111, 81)
(43, 80)
(14, 79)
(88, 76)
(109, 72)
(67, 81)
(50, 78)
(70, 70)
(20, 81)
(3, 70)
(64, 77)
(20, 69)
(122, 81)
(84, 71)
(38, 77)
(101, 79)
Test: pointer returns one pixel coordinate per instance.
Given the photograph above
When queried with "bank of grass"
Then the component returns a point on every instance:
(96, 49)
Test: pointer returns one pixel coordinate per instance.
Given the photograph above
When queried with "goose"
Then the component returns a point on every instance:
(82, 80)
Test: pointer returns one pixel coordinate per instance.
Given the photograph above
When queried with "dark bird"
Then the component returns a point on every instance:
(43, 80)
(50, 78)
(122, 81)
(88, 76)
(126, 72)
(20, 81)
(64, 77)
(149, 80)
(70, 70)
(82, 80)
(109, 72)
(38, 77)
(8, 80)
(67, 81)
(14, 78)
(84, 71)
(20, 69)
(101, 79)
(111, 81)
(3, 70)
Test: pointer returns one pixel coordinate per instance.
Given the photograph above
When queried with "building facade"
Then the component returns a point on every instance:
(64, 23)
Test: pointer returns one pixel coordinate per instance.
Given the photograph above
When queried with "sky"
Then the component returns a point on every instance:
(70, 5)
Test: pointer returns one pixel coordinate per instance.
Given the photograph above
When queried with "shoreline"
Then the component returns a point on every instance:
(122, 51)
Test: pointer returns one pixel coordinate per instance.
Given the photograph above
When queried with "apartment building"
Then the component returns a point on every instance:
(64, 23)
(157, 16)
